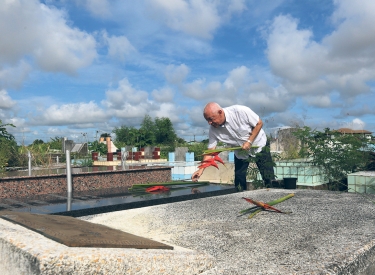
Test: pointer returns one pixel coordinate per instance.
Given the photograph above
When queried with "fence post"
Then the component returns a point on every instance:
(68, 172)
(29, 156)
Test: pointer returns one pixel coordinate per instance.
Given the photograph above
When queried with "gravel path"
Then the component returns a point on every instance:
(326, 233)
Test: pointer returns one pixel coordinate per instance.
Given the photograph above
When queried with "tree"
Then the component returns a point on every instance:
(335, 153)
(125, 135)
(56, 143)
(147, 132)
(3, 131)
(164, 131)
(8, 146)
(38, 141)
(99, 147)
(159, 132)
(105, 135)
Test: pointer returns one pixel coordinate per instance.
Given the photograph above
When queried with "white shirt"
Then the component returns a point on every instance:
(239, 123)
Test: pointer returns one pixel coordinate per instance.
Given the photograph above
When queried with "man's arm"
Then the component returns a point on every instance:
(198, 173)
(254, 133)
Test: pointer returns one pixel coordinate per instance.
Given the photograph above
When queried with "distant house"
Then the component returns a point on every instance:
(348, 131)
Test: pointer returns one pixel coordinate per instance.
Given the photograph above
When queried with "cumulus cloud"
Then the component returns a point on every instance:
(98, 8)
(119, 47)
(224, 93)
(239, 88)
(176, 74)
(343, 61)
(14, 76)
(194, 17)
(124, 95)
(168, 110)
(357, 111)
(163, 95)
(6, 101)
(68, 114)
(323, 101)
(355, 124)
(264, 99)
(41, 34)
(237, 78)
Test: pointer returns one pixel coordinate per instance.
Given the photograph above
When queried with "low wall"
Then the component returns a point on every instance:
(362, 182)
(57, 184)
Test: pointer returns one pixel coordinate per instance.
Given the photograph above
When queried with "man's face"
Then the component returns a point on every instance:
(215, 119)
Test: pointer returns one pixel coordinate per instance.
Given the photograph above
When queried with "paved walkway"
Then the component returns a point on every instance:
(327, 232)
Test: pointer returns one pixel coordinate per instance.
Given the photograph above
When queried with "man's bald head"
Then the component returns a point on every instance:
(214, 114)
(211, 107)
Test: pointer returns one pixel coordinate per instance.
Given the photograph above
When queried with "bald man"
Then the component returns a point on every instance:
(238, 125)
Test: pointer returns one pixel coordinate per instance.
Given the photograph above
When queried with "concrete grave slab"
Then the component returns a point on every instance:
(78, 233)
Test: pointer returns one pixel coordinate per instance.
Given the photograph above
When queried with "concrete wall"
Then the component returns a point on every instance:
(57, 184)
(306, 174)
(362, 182)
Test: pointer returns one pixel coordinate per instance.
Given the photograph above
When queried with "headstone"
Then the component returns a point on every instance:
(180, 153)
(148, 152)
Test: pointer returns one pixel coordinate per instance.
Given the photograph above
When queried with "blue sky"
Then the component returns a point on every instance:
(78, 68)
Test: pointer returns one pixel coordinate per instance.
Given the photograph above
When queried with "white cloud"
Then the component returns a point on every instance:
(263, 99)
(237, 78)
(98, 8)
(168, 110)
(355, 124)
(14, 76)
(176, 74)
(322, 101)
(343, 61)
(119, 47)
(194, 17)
(195, 89)
(36, 32)
(124, 96)
(68, 114)
(6, 101)
(163, 95)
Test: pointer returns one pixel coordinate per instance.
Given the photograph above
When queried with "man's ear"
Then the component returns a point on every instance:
(220, 112)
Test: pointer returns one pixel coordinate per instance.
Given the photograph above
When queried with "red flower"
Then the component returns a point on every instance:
(157, 188)
(211, 162)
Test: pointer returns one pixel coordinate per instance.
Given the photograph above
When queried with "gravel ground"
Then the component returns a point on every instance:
(326, 233)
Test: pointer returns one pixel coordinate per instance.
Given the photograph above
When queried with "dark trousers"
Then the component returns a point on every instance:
(264, 163)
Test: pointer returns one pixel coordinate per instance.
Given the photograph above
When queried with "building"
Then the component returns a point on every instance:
(348, 131)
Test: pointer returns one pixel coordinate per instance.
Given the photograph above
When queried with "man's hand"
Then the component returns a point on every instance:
(195, 177)
(246, 146)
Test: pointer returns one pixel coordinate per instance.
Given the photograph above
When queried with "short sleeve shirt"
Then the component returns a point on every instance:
(240, 121)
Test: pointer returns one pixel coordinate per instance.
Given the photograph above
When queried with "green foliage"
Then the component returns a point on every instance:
(8, 152)
(37, 141)
(197, 148)
(4, 132)
(164, 131)
(56, 143)
(8, 146)
(253, 170)
(126, 135)
(164, 150)
(147, 132)
(105, 135)
(158, 132)
(84, 162)
(99, 147)
(40, 154)
(335, 153)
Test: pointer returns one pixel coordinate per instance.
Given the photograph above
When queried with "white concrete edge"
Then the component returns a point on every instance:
(23, 251)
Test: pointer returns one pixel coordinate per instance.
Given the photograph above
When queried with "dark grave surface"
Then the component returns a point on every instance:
(78, 233)
(108, 200)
